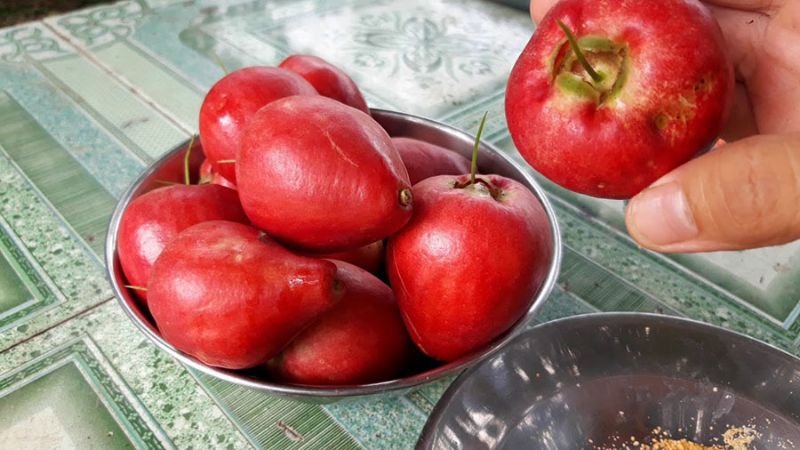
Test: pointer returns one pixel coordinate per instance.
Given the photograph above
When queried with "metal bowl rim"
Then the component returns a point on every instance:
(398, 384)
(600, 318)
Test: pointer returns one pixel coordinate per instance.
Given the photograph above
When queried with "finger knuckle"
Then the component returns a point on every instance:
(748, 193)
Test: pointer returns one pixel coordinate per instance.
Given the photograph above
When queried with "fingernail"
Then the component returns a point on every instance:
(661, 215)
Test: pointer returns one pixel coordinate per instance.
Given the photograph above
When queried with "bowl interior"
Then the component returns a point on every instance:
(597, 381)
(170, 169)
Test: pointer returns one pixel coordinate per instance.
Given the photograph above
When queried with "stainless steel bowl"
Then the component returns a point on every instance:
(490, 160)
(576, 383)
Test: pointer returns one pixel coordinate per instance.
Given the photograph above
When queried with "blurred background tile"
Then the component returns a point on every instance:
(90, 97)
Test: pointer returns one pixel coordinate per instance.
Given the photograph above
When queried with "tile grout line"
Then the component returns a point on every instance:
(702, 282)
(229, 415)
(122, 80)
(58, 323)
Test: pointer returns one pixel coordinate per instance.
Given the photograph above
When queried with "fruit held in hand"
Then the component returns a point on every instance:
(327, 79)
(425, 160)
(655, 89)
(153, 219)
(469, 263)
(231, 102)
(321, 176)
(232, 297)
(360, 340)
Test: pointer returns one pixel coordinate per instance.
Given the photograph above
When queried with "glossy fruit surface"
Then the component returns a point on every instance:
(663, 91)
(153, 219)
(208, 174)
(425, 160)
(321, 176)
(232, 297)
(360, 340)
(369, 257)
(231, 102)
(327, 79)
(469, 263)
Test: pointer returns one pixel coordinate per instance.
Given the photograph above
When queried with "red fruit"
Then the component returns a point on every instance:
(469, 263)
(231, 102)
(173, 170)
(230, 296)
(152, 220)
(360, 340)
(327, 79)
(320, 175)
(425, 160)
(208, 174)
(368, 257)
(666, 92)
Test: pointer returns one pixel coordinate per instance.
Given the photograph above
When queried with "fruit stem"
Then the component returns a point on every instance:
(226, 161)
(219, 62)
(474, 169)
(579, 54)
(136, 288)
(186, 157)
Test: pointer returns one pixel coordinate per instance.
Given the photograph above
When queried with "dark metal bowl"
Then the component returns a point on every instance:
(577, 383)
(490, 160)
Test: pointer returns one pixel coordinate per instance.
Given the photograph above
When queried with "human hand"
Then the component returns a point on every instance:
(746, 193)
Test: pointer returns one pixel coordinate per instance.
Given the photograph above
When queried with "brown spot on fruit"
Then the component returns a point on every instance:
(661, 121)
(405, 197)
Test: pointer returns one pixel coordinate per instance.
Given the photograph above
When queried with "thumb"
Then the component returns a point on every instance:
(742, 195)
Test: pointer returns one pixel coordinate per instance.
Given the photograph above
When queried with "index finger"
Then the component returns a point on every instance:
(747, 5)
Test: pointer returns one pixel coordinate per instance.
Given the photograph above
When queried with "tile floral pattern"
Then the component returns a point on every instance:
(99, 26)
(18, 43)
(89, 98)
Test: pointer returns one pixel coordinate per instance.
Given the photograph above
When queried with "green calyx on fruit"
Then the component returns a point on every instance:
(477, 184)
(591, 67)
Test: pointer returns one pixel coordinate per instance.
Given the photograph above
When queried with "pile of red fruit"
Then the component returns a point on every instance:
(279, 259)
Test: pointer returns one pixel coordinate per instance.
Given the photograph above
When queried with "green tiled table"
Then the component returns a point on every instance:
(89, 98)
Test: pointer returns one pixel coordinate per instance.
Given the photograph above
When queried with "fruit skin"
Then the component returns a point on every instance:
(425, 160)
(153, 219)
(208, 174)
(369, 257)
(673, 104)
(360, 340)
(467, 266)
(321, 176)
(232, 297)
(231, 102)
(327, 79)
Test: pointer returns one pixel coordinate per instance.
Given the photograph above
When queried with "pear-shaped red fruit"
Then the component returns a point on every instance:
(469, 263)
(327, 79)
(320, 175)
(425, 160)
(369, 257)
(360, 340)
(650, 87)
(152, 220)
(231, 102)
(232, 297)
